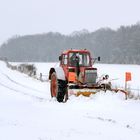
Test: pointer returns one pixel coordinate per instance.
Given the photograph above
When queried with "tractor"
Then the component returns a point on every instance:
(76, 75)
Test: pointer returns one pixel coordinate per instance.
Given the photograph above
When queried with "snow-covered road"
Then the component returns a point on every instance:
(27, 111)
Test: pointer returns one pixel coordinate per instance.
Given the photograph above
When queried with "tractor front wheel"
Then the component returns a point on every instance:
(58, 88)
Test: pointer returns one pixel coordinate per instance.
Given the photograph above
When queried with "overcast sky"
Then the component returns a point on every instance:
(21, 17)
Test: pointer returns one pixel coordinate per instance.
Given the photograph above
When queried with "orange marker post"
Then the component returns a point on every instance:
(127, 78)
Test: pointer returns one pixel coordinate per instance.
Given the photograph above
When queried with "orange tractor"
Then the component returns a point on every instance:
(75, 75)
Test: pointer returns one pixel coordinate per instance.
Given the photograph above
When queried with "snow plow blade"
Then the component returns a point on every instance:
(84, 92)
(88, 92)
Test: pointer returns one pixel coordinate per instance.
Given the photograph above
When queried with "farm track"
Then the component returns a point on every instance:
(19, 84)
(32, 92)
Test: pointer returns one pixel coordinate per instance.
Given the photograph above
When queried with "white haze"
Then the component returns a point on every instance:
(64, 16)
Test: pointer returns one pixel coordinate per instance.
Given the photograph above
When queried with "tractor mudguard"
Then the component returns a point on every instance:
(59, 72)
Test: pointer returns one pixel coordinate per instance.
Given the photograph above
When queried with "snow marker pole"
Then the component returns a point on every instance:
(127, 78)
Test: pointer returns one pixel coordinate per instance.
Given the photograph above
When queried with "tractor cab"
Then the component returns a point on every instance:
(77, 66)
(72, 57)
(80, 58)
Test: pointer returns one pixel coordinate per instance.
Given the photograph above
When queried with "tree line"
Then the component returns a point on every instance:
(121, 46)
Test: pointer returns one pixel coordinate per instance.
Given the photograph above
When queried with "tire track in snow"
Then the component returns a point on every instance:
(108, 120)
(24, 93)
(17, 83)
(21, 91)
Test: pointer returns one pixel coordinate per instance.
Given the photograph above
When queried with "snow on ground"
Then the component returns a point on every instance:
(27, 111)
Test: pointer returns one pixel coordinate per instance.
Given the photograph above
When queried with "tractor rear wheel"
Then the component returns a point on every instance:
(58, 88)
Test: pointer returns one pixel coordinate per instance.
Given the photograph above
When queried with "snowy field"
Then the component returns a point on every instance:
(27, 111)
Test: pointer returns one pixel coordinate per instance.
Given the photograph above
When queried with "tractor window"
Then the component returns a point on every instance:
(64, 59)
(85, 59)
(82, 58)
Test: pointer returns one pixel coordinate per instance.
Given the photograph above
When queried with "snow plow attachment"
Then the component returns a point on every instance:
(88, 92)
(84, 92)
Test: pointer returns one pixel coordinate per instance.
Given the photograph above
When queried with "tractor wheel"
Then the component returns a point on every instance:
(58, 88)
(54, 85)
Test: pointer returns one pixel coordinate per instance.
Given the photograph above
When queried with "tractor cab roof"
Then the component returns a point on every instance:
(80, 51)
